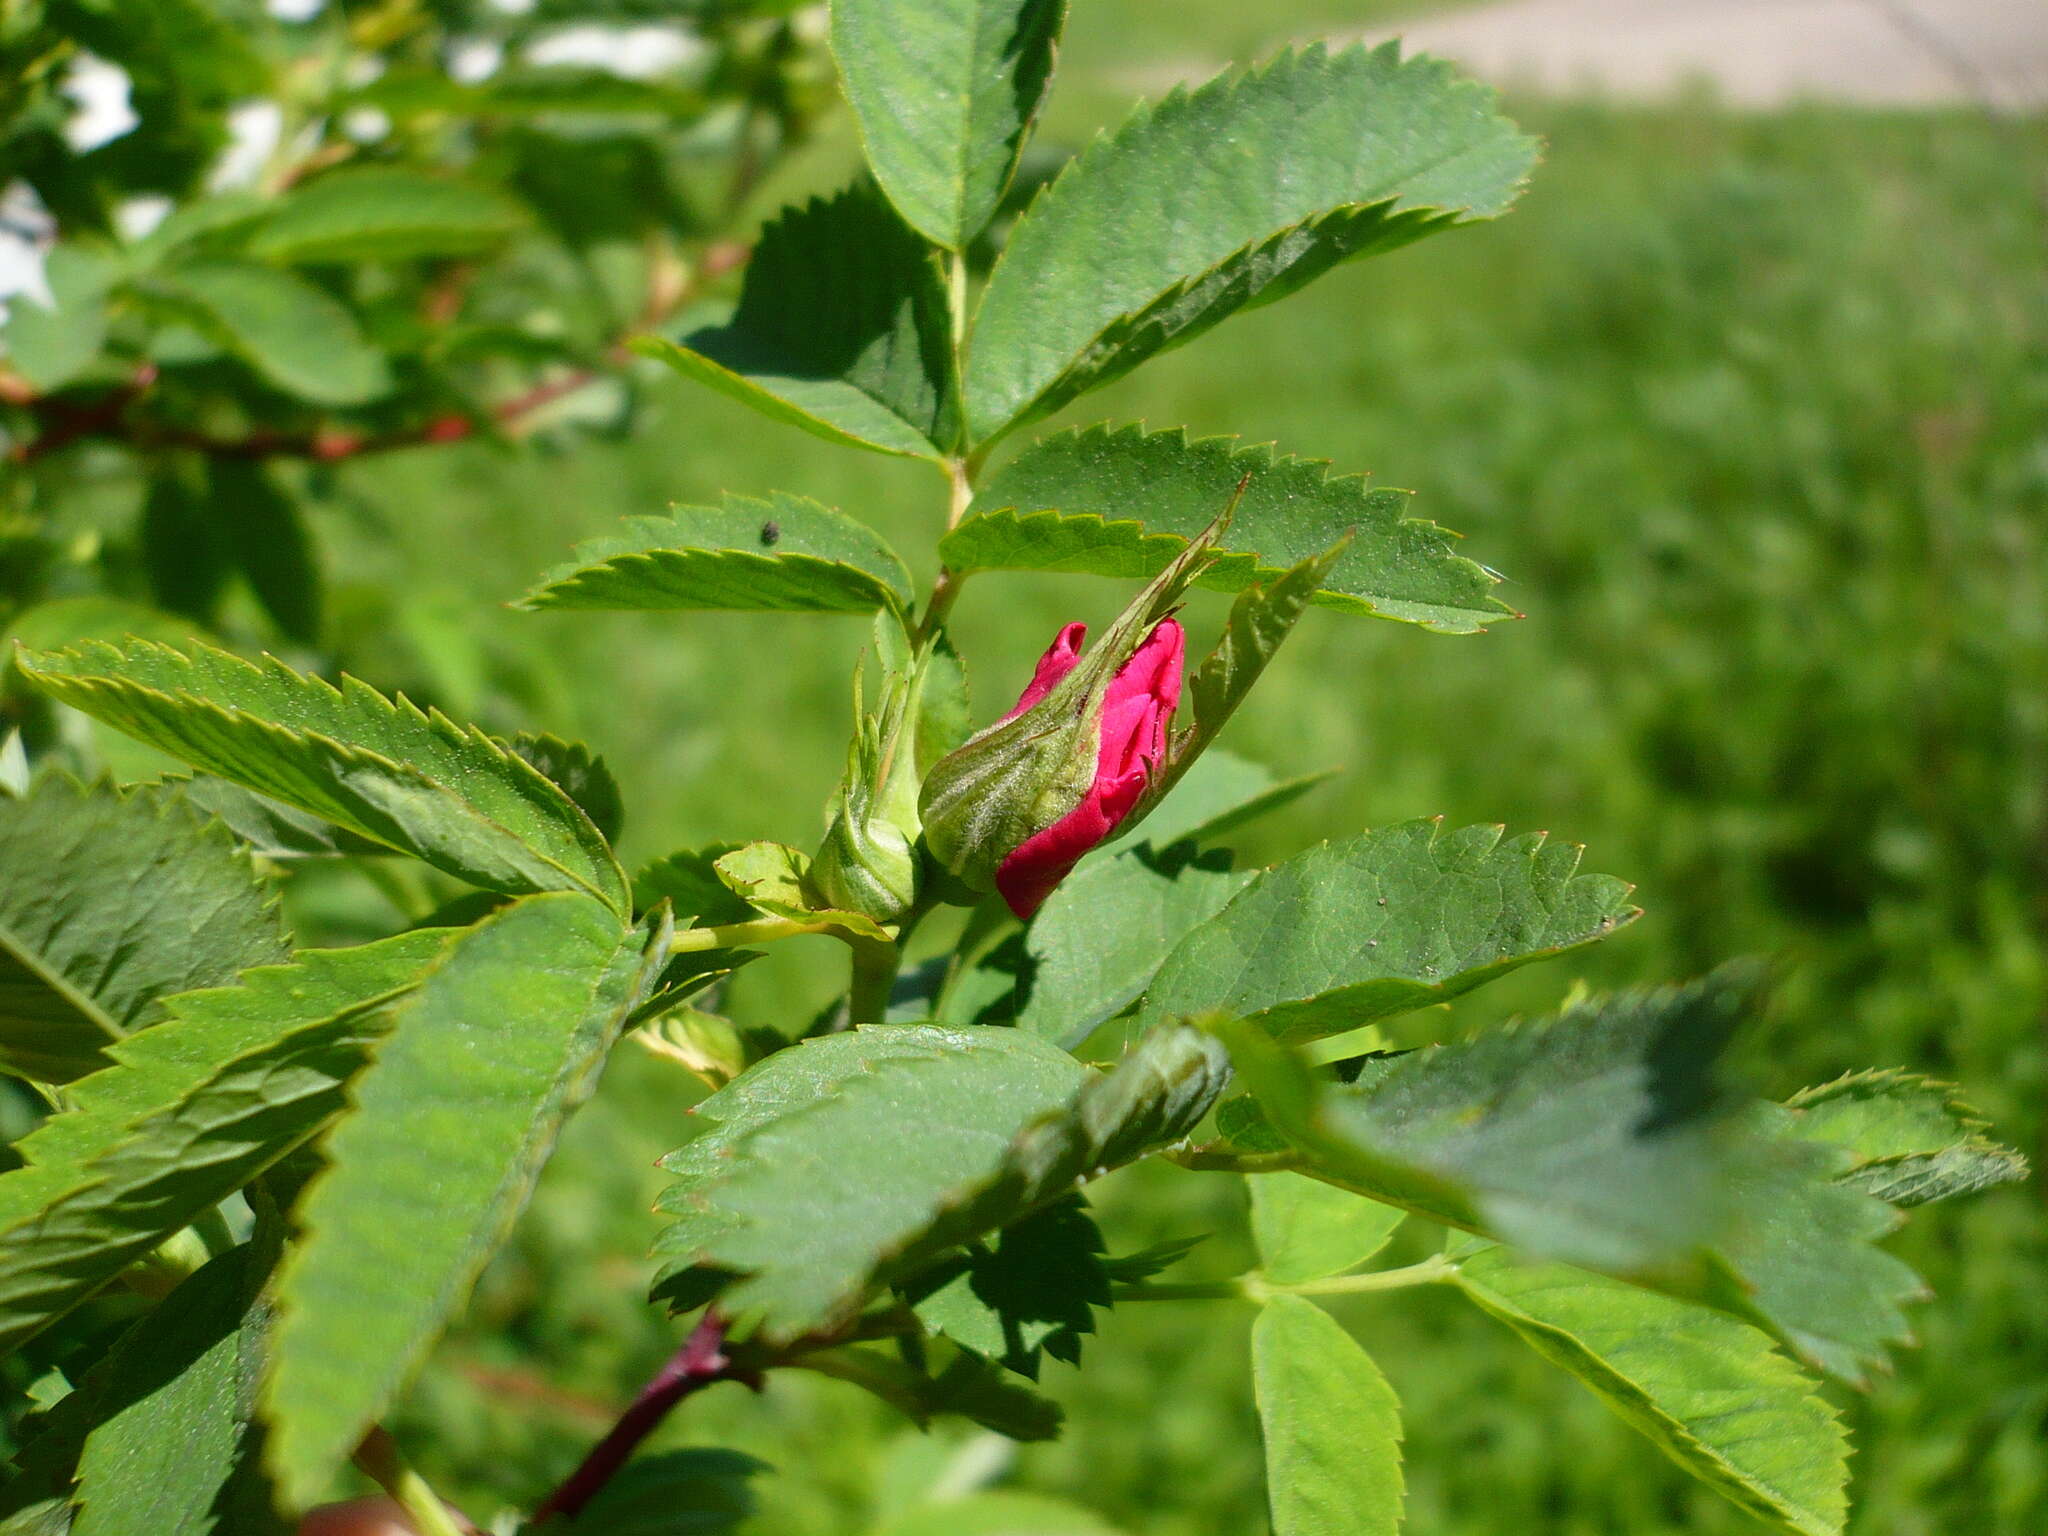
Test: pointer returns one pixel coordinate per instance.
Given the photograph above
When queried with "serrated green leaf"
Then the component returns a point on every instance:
(1332, 1426)
(245, 1073)
(176, 1409)
(384, 213)
(1000, 1512)
(781, 552)
(969, 1129)
(51, 345)
(484, 1062)
(112, 901)
(1152, 235)
(1028, 1291)
(1912, 1139)
(1308, 1230)
(1713, 1394)
(1349, 933)
(411, 780)
(843, 329)
(945, 92)
(1122, 502)
(291, 332)
(1602, 1138)
(268, 537)
(579, 773)
(773, 878)
(688, 880)
(1099, 939)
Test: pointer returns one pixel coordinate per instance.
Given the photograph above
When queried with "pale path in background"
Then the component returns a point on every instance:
(1757, 53)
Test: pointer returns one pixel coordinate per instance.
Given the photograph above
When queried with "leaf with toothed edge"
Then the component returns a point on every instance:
(780, 553)
(1005, 1123)
(1602, 1138)
(1913, 1140)
(412, 780)
(1151, 235)
(1122, 501)
(245, 1072)
(112, 900)
(1349, 933)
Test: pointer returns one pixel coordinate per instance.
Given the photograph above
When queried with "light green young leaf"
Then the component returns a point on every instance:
(290, 331)
(411, 780)
(1332, 1426)
(452, 1123)
(1099, 938)
(771, 877)
(1151, 235)
(177, 1404)
(242, 1074)
(781, 552)
(1601, 1138)
(384, 213)
(945, 92)
(1308, 1230)
(1122, 502)
(1912, 1139)
(51, 345)
(1710, 1392)
(842, 328)
(967, 1131)
(112, 901)
(1349, 933)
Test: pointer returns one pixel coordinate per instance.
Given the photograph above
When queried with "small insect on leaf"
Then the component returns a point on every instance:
(770, 532)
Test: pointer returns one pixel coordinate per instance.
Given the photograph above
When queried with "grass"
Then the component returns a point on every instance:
(1751, 411)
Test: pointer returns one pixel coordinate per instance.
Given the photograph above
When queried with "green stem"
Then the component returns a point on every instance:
(761, 930)
(874, 978)
(382, 1461)
(1255, 1287)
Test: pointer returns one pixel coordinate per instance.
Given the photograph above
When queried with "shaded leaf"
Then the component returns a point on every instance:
(290, 331)
(782, 552)
(112, 901)
(944, 92)
(1027, 1291)
(1710, 1392)
(689, 881)
(383, 213)
(1331, 1423)
(1151, 236)
(1219, 793)
(1308, 1230)
(842, 328)
(674, 1493)
(186, 555)
(484, 1062)
(266, 532)
(1122, 502)
(580, 774)
(413, 781)
(244, 1073)
(1348, 933)
(972, 1129)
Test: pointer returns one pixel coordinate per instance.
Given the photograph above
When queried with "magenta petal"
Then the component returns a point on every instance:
(1136, 710)
(1059, 659)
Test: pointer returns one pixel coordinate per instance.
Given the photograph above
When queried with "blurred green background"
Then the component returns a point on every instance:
(1752, 411)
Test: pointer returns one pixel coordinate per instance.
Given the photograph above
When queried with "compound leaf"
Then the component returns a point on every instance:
(410, 780)
(1122, 502)
(1349, 933)
(945, 91)
(1231, 195)
(843, 329)
(188, 1112)
(783, 553)
(1332, 1426)
(451, 1125)
(1713, 1394)
(113, 900)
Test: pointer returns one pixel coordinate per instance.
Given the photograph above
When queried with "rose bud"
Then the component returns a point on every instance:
(869, 860)
(1017, 806)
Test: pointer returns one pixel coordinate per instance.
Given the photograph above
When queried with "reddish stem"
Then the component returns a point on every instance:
(701, 1362)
